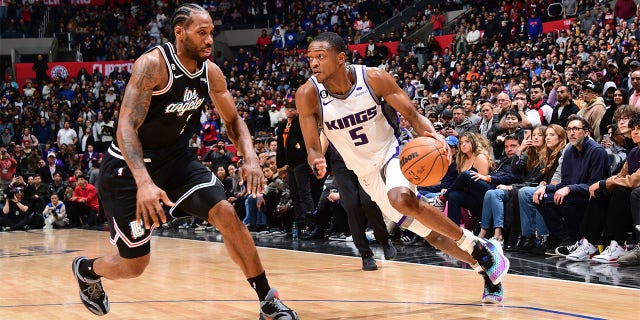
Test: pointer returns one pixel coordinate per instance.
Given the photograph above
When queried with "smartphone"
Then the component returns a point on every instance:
(527, 134)
(606, 139)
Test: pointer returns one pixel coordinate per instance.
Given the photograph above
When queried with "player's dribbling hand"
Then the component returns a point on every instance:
(444, 143)
(149, 205)
(319, 167)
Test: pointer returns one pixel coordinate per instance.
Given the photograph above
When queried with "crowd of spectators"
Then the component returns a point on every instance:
(496, 86)
(21, 19)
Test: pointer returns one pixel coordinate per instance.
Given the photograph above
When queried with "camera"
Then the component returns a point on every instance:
(12, 191)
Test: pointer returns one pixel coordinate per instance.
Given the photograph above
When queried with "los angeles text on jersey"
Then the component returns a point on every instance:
(352, 119)
(190, 101)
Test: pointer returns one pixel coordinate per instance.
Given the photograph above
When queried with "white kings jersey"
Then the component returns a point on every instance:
(360, 128)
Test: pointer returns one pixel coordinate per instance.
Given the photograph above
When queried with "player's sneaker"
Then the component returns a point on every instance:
(91, 293)
(610, 254)
(583, 252)
(492, 293)
(272, 308)
(489, 255)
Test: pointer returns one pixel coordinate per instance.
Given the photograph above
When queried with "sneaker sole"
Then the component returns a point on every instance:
(90, 305)
(604, 261)
(492, 300)
(579, 259)
(497, 249)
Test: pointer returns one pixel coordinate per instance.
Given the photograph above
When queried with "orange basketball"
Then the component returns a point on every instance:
(424, 161)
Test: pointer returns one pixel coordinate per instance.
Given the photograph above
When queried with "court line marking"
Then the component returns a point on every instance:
(369, 302)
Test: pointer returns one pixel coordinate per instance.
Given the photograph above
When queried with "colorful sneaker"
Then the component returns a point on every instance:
(630, 258)
(489, 255)
(583, 252)
(567, 250)
(610, 254)
(91, 293)
(492, 293)
(272, 308)
(500, 242)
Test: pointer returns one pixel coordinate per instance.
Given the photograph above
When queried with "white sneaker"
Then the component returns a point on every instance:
(610, 254)
(584, 252)
(435, 201)
(567, 250)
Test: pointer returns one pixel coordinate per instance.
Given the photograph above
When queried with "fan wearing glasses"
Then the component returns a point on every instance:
(562, 205)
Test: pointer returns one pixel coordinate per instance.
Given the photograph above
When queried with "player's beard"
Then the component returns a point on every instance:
(195, 51)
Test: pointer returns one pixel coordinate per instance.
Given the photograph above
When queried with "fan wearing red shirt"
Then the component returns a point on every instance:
(85, 196)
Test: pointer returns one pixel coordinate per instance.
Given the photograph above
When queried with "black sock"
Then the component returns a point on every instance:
(261, 285)
(86, 269)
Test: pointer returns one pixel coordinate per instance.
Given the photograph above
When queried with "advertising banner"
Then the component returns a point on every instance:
(70, 69)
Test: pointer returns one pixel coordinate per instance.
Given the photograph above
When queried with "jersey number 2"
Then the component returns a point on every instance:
(358, 138)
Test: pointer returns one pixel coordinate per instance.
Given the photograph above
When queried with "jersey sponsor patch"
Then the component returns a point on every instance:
(137, 229)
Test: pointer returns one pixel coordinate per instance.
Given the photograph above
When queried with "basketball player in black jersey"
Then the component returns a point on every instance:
(149, 164)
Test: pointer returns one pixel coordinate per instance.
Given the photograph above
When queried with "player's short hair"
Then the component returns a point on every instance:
(334, 40)
(182, 16)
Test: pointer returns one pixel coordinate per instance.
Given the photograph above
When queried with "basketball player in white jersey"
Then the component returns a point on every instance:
(346, 102)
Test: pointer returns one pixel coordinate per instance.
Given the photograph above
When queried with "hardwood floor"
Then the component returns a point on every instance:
(195, 279)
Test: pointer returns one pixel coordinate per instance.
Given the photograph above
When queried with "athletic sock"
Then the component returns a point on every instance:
(467, 241)
(476, 267)
(86, 269)
(261, 285)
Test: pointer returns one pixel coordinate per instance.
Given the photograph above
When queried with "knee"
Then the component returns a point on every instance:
(465, 176)
(404, 201)
(223, 216)
(491, 195)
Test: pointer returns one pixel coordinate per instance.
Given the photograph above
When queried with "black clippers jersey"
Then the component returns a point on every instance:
(176, 108)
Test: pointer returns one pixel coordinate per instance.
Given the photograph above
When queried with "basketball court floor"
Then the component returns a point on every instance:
(192, 277)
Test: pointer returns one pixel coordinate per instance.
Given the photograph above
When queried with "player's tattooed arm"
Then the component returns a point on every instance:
(147, 74)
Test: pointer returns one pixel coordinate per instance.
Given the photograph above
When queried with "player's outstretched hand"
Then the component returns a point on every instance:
(253, 177)
(149, 205)
(319, 167)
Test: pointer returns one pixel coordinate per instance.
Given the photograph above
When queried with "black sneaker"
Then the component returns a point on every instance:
(272, 308)
(389, 249)
(369, 264)
(91, 293)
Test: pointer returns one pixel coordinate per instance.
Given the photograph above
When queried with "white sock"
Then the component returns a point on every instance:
(476, 267)
(467, 241)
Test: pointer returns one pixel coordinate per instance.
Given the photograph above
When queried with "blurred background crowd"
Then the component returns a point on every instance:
(488, 74)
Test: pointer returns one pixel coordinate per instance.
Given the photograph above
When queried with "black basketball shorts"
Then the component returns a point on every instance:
(188, 183)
